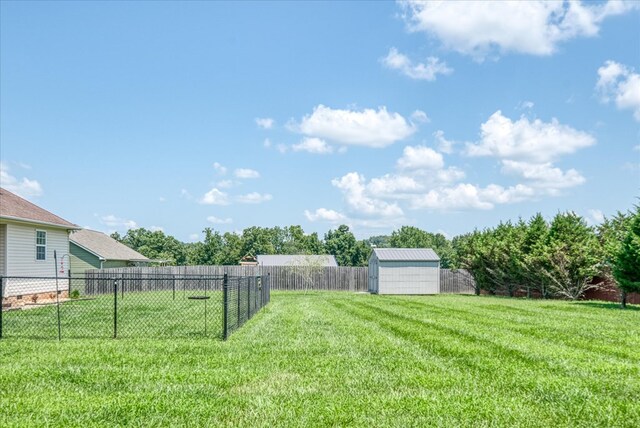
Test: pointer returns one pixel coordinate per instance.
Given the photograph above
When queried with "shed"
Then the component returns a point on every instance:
(95, 250)
(404, 271)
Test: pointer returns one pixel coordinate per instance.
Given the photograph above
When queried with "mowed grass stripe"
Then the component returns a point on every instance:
(336, 359)
(611, 342)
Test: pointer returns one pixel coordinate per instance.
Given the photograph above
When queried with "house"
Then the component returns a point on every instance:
(404, 271)
(90, 249)
(322, 260)
(29, 236)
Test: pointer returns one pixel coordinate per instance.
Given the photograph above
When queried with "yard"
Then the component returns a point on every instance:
(343, 359)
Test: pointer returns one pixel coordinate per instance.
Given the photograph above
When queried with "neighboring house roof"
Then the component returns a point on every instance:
(296, 260)
(13, 207)
(104, 246)
(406, 254)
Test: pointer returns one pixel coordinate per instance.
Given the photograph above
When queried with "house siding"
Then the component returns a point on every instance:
(21, 259)
(3, 249)
(81, 260)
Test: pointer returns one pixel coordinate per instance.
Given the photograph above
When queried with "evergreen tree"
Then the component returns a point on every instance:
(626, 268)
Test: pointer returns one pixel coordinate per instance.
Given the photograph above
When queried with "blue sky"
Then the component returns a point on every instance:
(447, 117)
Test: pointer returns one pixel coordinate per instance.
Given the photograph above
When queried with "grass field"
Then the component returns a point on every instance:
(341, 359)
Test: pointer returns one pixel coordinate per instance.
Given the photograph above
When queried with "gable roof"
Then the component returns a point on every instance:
(104, 246)
(406, 254)
(296, 260)
(13, 207)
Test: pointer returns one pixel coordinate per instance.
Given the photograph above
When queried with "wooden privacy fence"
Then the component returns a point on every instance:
(294, 278)
(456, 281)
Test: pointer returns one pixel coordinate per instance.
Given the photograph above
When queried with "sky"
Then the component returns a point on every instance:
(445, 116)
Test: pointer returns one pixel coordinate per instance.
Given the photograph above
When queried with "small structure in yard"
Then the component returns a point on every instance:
(404, 271)
(90, 249)
(29, 235)
(297, 260)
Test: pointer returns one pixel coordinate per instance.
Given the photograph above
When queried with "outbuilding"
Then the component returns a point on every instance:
(404, 271)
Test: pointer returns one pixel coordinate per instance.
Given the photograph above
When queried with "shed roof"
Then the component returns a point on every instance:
(104, 246)
(13, 207)
(406, 254)
(296, 260)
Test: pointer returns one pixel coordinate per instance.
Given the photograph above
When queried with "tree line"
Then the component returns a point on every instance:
(564, 257)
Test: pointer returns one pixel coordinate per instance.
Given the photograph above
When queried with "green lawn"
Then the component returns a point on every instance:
(139, 315)
(341, 359)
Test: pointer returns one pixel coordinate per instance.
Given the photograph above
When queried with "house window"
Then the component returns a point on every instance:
(41, 245)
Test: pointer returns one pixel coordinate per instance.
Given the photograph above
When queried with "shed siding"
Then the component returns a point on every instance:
(404, 277)
(3, 248)
(21, 258)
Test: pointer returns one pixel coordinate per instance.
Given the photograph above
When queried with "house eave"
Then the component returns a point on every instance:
(39, 223)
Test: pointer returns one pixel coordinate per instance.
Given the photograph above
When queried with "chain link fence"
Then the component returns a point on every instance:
(101, 305)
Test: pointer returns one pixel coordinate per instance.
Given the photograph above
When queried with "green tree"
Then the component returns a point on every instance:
(626, 267)
(574, 256)
(413, 237)
(155, 245)
(344, 246)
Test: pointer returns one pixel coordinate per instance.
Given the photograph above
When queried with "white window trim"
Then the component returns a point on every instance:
(46, 240)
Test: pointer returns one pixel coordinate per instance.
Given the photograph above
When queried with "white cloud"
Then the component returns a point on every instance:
(282, 148)
(222, 170)
(543, 175)
(393, 185)
(420, 157)
(117, 222)
(214, 197)
(531, 141)
(194, 237)
(226, 184)
(254, 198)
(464, 196)
(637, 148)
(313, 145)
(353, 188)
(216, 220)
(619, 83)
(526, 105)
(444, 145)
(418, 116)
(265, 122)
(368, 127)
(246, 173)
(480, 28)
(323, 214)
(419, 71)
(267, 143)
(162, 199)
(23, 187)
(156, 228)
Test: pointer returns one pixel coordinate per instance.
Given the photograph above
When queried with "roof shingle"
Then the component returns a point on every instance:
(104, 246)
(14, 207)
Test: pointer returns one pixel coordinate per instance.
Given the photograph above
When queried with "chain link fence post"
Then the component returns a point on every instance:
(225, 307)
(115, 308)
